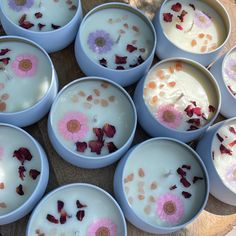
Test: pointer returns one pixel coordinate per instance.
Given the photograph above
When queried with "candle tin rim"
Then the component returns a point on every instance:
(44, 32)
(198, 66)
(130, 9)
(94, 78)
(77, 185)
(222, 123)
(34, 44)
(205, 53)
(197, 158)
(222, 68)
(42, 167)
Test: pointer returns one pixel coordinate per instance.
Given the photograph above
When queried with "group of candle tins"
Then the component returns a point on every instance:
(161, 184)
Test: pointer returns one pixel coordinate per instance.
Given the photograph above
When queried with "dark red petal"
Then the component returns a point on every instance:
(34, 174)
(196, 178)
(176, 7)
(22, 155)
(197, 111)
(211, 108)
(231, 90)
(121, 60)
(19, 190)
(81, 146)
(185, 182)
(133, 66)
(80, 205)
(225, 150)
(38, 15)
(22, 19)
(219, 137)
(186, 167)
(213, 155)
(130, 48)
(60, 205)
(232, 143)
(109, 130)
(183, 14)
(120, 68)
(181, 172)
(41, 26)
(232, 130)
(96, 146)
(52, 219)
(21, 171)
(5, 61)
(186, 194)
(179, 27)
(140, 60)
(103, 62)
(111, 147)
(194, 103)
(55, 26)
(204, 116)
(192, 127)
(173, 187)
(189, 110)
(167, 17)
(63, 217)
(80, 215)
(26, 25)
(196, 122)
(193, 6)
(4, 51)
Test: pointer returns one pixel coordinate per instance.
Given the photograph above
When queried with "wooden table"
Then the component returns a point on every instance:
(216, 220)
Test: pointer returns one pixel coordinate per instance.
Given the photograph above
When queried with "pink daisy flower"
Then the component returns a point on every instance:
(73, 126)
(25, 65)
(231, 175)
(168, 115)
(170, 208)
(103, 227)
(1, 153)
(202, 20)
(230, 69)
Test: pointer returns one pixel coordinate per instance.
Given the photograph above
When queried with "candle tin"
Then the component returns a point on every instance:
(204, 148)
(34, 113)
(163, 41)
(78, 158)
(228, 100)
(122, 77)
(51, 41)
(153, 127)
(38, 192)
(130, 214)
(122, 230)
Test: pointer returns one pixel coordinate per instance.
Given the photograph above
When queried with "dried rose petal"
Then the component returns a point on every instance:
(111, 147)
(189, 110)
(60, 205)
(121, 60)
(140, 60)
(219, 137)
(5, 61)
(96, 146)
(120, 68)
(103, 62)
(181, 172)
(197, 111)
(204, 116)
(81, 146)
(186, 194)
(80, 205)
(167, 17)
(34, 174)
(194, 103)
(186, 167)
(231, 90)
(211, 108)
(213, 155)
(109, 130)
(232, 143)
(80, 215)
(183, 14)
(19, 190)
(196, 178)
(196, 122)
(176, 7)
(4, 51)
(22, 155)
(63, 217)
(133, 65)
(55, 26)
(26, 24)
(52, 219)
(193, 6)
(232, 130)
(41, 26)
(179, 27)
(130, 48)
(225, 150)
(185, 182)
(38, 15)
(192, 127)
(173, 187)
(22, 19)
(21, 171)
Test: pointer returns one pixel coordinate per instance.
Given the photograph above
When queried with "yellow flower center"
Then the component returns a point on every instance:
(234, 175)
(100, 41)
(169, 116)
(103, 231)
(73, 126)
(25, 65)
(202, 19)
(20, 2)
(169, 208)
(234, 68)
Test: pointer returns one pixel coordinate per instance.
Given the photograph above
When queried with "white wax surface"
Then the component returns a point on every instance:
(54, 12)
(99, 111)
(190, 84)
(99, 206)
(229, 72)
(11, 140)
(23, 91)
(158, 158)
(113, 22)
(225, 164)
(213, 33)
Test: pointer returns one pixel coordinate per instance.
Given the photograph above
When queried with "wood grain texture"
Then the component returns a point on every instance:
(216, 220)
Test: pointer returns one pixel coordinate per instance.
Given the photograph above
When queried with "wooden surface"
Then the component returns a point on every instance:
(216, 220)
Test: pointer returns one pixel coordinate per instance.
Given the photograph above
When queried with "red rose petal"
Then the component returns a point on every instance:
(232, 143)
(55, 26)
(231, 90)
(211, 108)
(219, 137)
(41, 26)
(140, 60)
(167, 17)
(183, 14)
(34, 174)
(38, 15)
(4, 51)
(103, 62)
(60, 205)
(63, 217)
(5, 61)
(186, 167)
(195, 179)
(22, 155)
(225, 150)
(52, 219)
(80, 215)
(22, 19)
(179, 27)
(232, 130)
(19, 190)
(176, 7)
(197, 111)
(130, 48)
(173, 187)
(111, 147)
(192, 127)
(121, 60)
(109, 130)
(186, 194)
(191, 5)
(189, 110)
(96, 146)
(181, 172)
(80, 205)
(120, 68)
(196, 122)
(185, 182)
(81, 146)
(21, 171)
(26, 25)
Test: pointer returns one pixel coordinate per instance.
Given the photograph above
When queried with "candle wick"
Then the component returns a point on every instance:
(186, 31)
(118, 39)
(40, 4)
(180, 97)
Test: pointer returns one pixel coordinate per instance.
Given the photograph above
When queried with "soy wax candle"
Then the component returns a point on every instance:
(92, 122)
(52, 24)
(120, 46)
(161, 198)
(88, 210)
(28, 81)
(178, 98)
(217, 150)
(23, 173)
(191, 28)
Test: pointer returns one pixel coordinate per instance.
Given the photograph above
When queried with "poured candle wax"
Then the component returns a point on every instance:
(19, 169)
(93, 118)
(224, 154)
(229, 72)
(40, 15)
(164, 183)
(119, 40)
(25, 75)
(75, 211)
(193, 25)
(180, 96)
